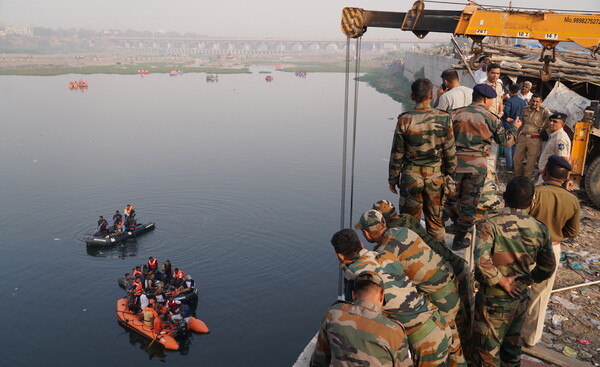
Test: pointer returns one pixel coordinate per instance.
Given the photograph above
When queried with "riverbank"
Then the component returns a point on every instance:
(47, 65)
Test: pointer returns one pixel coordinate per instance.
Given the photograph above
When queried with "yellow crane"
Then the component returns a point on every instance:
(477, 22)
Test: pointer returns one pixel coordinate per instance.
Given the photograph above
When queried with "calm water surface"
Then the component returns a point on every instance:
(242, 178)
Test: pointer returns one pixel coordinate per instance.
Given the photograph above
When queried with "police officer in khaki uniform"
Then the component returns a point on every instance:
(529, 142)
(559, 142)
(559, 210)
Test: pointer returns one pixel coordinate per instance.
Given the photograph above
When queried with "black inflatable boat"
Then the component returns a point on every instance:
(102, 240)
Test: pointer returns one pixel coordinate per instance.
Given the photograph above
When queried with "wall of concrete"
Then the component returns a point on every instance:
(433, 66)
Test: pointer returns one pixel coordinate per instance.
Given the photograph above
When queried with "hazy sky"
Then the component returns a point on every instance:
(306, 19)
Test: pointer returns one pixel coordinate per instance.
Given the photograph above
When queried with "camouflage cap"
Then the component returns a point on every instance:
(386, 208)
(370, 220)
(367, 277)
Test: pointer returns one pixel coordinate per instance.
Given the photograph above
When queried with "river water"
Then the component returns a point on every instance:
(242, 178)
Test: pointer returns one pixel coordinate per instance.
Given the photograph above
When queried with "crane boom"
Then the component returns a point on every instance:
(549, 28)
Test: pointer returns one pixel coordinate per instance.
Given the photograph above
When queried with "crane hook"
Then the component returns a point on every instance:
(477, 50)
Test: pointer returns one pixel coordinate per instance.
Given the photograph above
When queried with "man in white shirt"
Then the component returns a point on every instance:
(452, 95)
(481, 74)
(525, 93)
(558, 144)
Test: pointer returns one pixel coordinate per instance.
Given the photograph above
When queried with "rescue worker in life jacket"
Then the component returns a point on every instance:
(136, 290)
(102, 226)
(178, 277)
(152, 264)
(149, 314)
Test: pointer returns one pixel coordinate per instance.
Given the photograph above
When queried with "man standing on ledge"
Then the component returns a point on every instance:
(512, 251)
(559, 210)
(423, 152)
(357, 333)
(475, 127)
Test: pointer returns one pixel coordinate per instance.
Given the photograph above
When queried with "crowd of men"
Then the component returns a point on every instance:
(121, 222)
(151, 294)
(411, 300)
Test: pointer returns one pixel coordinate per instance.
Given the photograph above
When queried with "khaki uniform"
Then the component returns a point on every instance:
(529, 142)
(559, 210)
(496, 107)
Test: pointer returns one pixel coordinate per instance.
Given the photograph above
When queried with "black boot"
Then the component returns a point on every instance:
(461, 241)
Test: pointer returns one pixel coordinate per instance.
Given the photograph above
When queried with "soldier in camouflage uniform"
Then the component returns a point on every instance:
(508, 245)
(357, 333)
(463, 278)
(430, 274)
(423, 151)
(427, 334)
(474, 129)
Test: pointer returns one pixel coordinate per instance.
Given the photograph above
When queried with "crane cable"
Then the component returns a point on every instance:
(345, 144)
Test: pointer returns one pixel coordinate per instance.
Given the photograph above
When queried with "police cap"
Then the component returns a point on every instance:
(559, 115)
(555, 160)
(485, 90)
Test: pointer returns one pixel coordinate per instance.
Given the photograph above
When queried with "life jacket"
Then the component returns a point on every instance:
(172, 293)
(158, 326)
(137, 288)
(153, 265)
(135, 271)
(179, 274)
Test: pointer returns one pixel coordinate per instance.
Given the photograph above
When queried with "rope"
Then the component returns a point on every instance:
(345, 143)
(344, 163)
(356, 83)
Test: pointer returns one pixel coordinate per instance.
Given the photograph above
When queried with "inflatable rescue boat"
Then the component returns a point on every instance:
(133, 322)
(99, 240)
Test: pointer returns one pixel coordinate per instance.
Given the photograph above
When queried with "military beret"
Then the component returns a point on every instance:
(386, 208)
(370, 220)
(367, 277)
(485, 90)
(555, 160)
(559, 115)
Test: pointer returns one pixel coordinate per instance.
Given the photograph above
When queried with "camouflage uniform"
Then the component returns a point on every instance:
(431, 275)
(474, 129)
(489, 200)
(423, 151)
(357, 334)
(463, 277)
(508, 243)
(426, 330)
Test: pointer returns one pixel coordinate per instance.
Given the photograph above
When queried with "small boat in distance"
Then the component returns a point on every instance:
(143, 72)
(175, 73)
(269, 79)
(212, 78)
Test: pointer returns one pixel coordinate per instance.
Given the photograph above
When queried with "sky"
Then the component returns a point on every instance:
(299, 19)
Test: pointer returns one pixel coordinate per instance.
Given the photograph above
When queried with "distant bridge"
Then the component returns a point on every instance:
(253, 46)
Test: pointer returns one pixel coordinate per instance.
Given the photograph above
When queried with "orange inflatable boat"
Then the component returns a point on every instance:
(133, 322)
